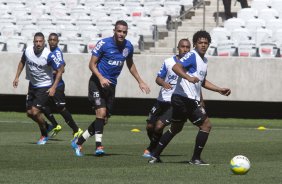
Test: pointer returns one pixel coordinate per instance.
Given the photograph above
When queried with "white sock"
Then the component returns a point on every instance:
(86, 135)
(98, 137)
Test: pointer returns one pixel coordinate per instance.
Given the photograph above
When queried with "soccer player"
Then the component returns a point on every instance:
(185, 100)
(108, 58)
(160, 114)
(40, 63)
(59, 98)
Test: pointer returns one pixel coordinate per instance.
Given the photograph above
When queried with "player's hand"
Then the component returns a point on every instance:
(51, 91)
(144, 87)
(105, 82)
(225, 91)
(193, 79)
(167, 86)
(15, 83)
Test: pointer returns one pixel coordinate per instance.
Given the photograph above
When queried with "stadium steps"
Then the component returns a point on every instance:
(189, 26)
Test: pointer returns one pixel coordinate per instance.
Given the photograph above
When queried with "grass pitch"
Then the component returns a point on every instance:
(24, 162)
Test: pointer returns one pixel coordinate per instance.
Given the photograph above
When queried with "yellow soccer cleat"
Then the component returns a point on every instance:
(55, 131)
(78, 133)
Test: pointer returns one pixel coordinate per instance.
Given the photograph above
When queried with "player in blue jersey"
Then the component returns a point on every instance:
(108, 58)
(39, 63)
(161, 112)
(59, 98)
(186, 98)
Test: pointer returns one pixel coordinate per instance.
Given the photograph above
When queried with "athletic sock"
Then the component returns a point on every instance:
(99, 127)
(69, 120)
(165, 139)
(88, 133)
(201, 140)
(50, 116)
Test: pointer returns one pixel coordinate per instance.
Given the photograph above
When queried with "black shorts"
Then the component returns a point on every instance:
(160, 111)
(101, 97)
(185, 108)
(37, 97)
(59, 99)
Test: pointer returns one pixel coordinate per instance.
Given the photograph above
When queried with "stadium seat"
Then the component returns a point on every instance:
(268, 14)
(16, 44)
(240, 34)
(274, 24)
(76, 45)
(268, 49)
(260, 4)
(226, 48)
(233, 23)
(247, 14)
(29, 30)
(219, 34)
(253, 24)
(247, 48)
(113, 3)
(263, 35)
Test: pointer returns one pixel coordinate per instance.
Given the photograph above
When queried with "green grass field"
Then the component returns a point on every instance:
(24, 162)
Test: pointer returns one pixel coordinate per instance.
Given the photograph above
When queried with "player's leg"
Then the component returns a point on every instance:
(151, 122)
(49, 115)
(60, 102)
(163, 120)
(200, 119)
(36, 100)
(179, 116)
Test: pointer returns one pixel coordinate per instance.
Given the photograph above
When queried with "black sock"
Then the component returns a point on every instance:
(69, 120)
(155, 138)
(43, 129)
(201, 140)
(99, 128)
(50, 116)
(165, 139)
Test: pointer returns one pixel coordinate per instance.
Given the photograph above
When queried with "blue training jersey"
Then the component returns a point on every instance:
(112, 57)
(59, 57)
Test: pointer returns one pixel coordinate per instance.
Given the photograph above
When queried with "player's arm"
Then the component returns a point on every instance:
(94, 69)
(19, 71)
(161, 82)
(210, 86)
(59, 73)
(132, 69)
(180, 71)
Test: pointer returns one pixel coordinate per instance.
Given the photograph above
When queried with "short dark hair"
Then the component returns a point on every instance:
(53, 34)
(183, 40)
(121, 22)
(40, 34)
(201, 34)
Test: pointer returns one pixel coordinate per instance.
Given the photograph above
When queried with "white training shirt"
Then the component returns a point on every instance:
(169, 76)
(197, 67)
(38, 70)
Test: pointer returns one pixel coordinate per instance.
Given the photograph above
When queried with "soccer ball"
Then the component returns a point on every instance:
(240, 164)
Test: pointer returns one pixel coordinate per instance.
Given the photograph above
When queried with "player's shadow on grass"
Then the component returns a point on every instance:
(106, 154)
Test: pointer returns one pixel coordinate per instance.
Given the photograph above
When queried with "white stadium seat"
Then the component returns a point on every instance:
(234, 23)
(247, 14)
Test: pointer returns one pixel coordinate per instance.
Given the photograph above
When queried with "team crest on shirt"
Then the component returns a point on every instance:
(125, 52)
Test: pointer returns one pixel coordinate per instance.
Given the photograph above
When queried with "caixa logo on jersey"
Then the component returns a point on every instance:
(172, 77)
(125, 52)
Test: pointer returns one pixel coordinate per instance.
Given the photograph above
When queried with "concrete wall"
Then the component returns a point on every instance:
(250, 79)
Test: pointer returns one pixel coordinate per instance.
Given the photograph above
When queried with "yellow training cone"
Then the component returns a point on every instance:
(135, 130)
(261, 128)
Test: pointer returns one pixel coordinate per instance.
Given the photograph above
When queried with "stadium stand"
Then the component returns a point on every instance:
(152, 24)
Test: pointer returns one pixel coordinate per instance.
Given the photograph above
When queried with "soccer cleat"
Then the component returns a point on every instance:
(77, 148)
(154, 160)
(197, 162)
(99, 151)
(78, 133)
(42, 140)
(55, 131)
(147, 154)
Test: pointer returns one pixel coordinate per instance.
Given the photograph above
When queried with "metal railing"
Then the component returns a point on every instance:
(177, 19)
